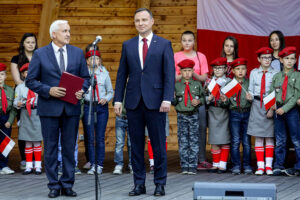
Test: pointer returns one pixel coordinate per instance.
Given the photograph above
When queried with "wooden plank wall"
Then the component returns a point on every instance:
(16, 18)
(113, 20)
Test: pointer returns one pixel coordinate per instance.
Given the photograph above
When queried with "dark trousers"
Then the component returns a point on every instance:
(155, 121)
(238, 125)
(288, 120)
(50, 131)
(7, 131)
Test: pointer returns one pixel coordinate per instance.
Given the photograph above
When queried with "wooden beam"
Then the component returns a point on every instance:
(49, 14)
(143, 4)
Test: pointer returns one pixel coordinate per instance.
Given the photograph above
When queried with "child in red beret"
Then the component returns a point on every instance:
(7, 115)
(188, 97)
(30, 125)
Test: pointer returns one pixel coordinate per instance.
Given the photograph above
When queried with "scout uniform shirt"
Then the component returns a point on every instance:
(196, 93)
(10, 109)
(292, 92)
(244, 103)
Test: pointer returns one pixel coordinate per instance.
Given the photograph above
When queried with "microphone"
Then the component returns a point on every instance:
(98, 39)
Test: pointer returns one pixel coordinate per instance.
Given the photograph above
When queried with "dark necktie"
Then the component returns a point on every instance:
(262, 87)
(145, 49)
(61, 60)
(284, 87)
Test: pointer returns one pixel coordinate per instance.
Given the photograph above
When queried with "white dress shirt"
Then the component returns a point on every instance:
(141, 43)
(57, 54)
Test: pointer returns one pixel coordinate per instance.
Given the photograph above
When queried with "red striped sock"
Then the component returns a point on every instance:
(269, 155)
(224, 156)
(216, 155)
(259, 151)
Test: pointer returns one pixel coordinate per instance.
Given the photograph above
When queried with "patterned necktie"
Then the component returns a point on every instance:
(145, 49)
(61, 60)
(30, 101)
(186, 93)
(4, 100)
(262, 87)
(284, 87)
(97, 90)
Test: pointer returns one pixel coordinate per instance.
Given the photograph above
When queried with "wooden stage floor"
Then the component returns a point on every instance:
(116, 187)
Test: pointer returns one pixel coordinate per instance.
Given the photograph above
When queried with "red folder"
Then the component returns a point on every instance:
(72, 84)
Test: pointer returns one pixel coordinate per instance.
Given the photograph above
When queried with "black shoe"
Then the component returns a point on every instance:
(26, 172)
(222, 171)
(151, 169)
(159, 190)
(68, 192)
(138, 190)
(53, 193)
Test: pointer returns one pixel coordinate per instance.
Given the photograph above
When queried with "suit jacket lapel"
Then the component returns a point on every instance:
(151, 49)
(52, 57)
(136, 51)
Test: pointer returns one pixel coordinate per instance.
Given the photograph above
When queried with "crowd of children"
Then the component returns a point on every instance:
(231, 120)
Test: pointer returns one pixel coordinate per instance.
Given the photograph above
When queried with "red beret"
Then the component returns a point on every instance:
(264, 50)
(287, 51)
(91, 53)
(219, 61)
(239, 61)
(186, 63)
(24, 67)
(2, 67)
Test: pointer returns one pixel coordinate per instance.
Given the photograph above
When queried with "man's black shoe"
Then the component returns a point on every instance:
(68, 192)
(159, 190)
(53, 193)
(138, 190)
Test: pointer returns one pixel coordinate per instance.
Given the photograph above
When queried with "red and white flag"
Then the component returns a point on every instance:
(250, 22)
(270, 100)
(214, 86)
(231, 88)
(6, 145)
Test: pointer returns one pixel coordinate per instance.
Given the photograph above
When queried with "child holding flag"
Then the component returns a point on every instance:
(103, 94)
(7, 116)
(261, 123)
(218, 117)
(239, 111)
(30, 125)
(188, 96)
(287, 90)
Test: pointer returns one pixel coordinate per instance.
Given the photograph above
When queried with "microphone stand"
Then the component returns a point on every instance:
(92, 126)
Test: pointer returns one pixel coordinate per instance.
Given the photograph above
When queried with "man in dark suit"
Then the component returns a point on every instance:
(44, 74)
(147, 66)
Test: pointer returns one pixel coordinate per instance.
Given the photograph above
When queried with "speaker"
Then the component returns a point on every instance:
(234, 191)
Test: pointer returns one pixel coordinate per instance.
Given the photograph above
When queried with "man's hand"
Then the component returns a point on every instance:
(79, 94)
(7, 125)
(279, 111)
(164, 107)
(57, 92)
(102, 101)
(195, 102)
(118, 109)
(20, 104)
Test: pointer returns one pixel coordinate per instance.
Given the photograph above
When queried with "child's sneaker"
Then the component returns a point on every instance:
(6, 171)
(259, 171)
(292, 172)
(192, 171)
(269, 171)
(118, 170)
(92, 170)
(236, 171)
(277, 172)
(184, 170)
(77, 171)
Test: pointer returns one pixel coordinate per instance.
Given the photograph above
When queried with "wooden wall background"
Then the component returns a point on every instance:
(112, 19)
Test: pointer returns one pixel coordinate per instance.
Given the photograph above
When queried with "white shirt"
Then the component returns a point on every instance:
(57, 54)
(141, 43)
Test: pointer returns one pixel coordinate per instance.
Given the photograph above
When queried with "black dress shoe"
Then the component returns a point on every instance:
(53, 193)
(68, 192)
(159, 190)
(26, 172)
(138, 190)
